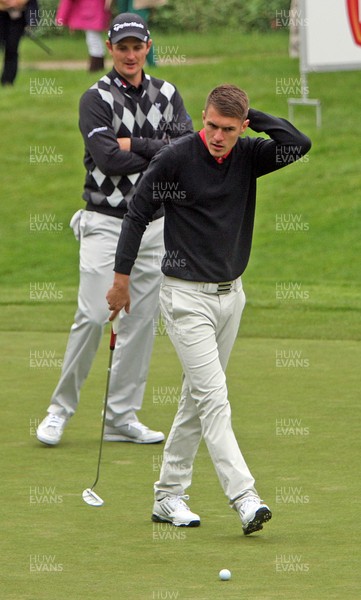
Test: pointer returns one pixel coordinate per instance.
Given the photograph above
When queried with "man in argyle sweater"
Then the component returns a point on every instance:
(125, 118)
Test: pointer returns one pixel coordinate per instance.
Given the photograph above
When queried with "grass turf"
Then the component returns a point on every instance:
(298, 432)
(293, 374)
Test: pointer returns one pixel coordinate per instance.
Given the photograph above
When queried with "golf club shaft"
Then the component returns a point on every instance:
(113, 339)
(37, 41)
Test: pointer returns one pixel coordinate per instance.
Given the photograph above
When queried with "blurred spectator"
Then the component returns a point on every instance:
(91, 16)
(294, 39)
(14, 17)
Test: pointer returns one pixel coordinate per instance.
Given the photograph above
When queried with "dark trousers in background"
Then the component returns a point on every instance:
(11, 31)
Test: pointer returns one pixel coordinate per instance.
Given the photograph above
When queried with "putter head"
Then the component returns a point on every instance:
(91, 498)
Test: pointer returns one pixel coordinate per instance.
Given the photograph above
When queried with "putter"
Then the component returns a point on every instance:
(89, 496)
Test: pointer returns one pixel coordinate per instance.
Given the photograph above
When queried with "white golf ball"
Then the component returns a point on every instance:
(225, 574)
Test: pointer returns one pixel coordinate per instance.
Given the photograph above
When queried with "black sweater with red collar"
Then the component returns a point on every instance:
(209, 207)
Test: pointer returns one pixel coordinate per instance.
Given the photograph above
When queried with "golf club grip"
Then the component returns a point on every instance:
(113, 339)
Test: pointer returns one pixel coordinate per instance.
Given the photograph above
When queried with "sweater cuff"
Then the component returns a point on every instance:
(123, 266)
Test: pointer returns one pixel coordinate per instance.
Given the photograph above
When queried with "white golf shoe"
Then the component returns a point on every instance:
(133, 432)
(173, 509)
(51, 429)
(253, 513)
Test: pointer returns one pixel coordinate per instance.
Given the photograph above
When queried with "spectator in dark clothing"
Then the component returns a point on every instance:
(15, 15)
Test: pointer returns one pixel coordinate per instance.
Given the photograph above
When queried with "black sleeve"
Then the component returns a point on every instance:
(141, 209)
(96, 126)
(287, 144)
(147, 147)
(180, 124)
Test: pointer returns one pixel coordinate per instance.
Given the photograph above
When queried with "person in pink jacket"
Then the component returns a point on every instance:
(91, 16)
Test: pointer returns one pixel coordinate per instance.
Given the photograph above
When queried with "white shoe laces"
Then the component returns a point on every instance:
(179, 502)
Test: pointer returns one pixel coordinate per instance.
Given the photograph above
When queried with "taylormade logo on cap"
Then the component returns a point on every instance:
(118, 26)
(128, 25)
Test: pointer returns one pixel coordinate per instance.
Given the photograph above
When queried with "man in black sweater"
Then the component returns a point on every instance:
(207, 184)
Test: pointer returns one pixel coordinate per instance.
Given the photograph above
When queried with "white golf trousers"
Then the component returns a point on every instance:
(98, 241)
(202, 327)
